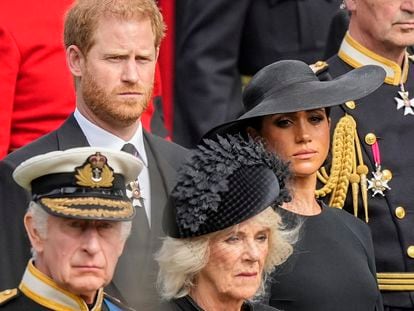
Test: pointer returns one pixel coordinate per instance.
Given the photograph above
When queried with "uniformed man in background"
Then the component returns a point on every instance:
(78, 221)
(372, 167)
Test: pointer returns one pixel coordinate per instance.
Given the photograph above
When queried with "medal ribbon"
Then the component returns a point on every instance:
(376, 154)
(379, 183)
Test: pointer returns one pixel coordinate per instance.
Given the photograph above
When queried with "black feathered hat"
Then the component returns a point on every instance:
(224, 183)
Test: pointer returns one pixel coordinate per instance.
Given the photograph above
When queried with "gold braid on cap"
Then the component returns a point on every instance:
(69, 207)
(347, 168)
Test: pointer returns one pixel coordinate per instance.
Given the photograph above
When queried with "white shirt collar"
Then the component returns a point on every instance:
(98, 137)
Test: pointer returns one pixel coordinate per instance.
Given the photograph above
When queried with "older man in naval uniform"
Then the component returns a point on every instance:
(78, 220)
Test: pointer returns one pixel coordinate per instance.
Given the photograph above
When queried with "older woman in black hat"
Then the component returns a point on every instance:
(224, 236)
(332, 267)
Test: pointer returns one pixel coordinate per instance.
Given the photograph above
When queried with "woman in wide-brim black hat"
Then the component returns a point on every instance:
(333, 263)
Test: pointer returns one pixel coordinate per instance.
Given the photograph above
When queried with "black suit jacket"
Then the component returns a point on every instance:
(164, 159)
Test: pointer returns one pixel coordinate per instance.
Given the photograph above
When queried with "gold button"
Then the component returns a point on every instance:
(400, 212)
(351, 104)
(387, 175)
(410, 251)
(370, 138)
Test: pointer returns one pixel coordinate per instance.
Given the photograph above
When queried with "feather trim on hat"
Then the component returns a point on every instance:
(202, 180)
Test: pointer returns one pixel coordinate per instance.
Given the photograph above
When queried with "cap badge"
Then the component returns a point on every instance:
(95, 172)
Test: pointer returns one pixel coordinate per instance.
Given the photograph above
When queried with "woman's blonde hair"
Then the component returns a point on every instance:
(180, 260)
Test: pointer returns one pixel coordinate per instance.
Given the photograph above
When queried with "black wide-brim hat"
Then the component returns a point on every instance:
(290, 86)
(83, 183)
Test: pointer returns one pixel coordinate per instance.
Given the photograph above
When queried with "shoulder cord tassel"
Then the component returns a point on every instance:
(362, 170)
(346, 153)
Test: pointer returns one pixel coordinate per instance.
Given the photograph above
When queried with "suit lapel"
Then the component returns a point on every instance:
(158, 170)
(167, 171)
(70, 135)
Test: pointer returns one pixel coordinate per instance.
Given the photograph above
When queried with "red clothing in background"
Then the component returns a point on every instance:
(36, 87)
(166, 61)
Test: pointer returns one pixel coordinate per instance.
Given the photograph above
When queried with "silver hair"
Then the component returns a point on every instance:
(40, 218)
(180, 260)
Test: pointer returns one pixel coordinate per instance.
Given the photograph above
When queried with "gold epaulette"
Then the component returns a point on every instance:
(395, 281)
(7, 295)
(319, 67)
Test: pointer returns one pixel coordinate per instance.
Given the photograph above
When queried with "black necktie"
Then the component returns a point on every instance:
(130, 148)
(133, 187)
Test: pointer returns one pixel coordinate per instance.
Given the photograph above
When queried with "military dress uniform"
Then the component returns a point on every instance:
(381, 182)
(38, 292)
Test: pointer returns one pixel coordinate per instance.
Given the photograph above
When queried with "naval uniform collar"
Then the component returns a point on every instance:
(356, 55)
(43, 290)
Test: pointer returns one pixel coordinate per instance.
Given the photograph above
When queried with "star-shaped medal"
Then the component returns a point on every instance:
(133, 192)
(379, 183)
(405, 102)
